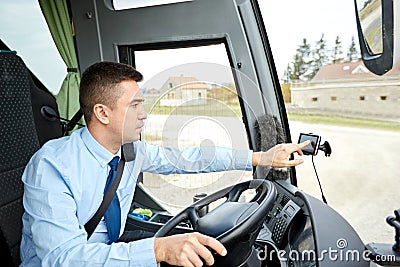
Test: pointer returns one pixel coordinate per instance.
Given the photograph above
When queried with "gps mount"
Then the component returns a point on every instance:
(326, 147)
(395, 222)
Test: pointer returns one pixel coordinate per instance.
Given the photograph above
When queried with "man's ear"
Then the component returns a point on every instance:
(101, 113)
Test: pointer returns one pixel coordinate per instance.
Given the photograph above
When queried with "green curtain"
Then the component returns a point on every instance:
(60, 26)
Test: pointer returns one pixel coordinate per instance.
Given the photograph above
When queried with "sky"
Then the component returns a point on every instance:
(287, 22)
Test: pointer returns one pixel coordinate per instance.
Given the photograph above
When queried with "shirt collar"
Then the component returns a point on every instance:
(100, 153)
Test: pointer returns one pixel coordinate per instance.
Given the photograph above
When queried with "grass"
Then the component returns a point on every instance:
(345, 121)
(211, 108)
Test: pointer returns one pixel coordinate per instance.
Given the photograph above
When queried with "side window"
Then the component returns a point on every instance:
(191, 101)
(24, 29)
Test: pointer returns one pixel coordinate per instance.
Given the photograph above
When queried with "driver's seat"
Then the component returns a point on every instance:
(20, 100)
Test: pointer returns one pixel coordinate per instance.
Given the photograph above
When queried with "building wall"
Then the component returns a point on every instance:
(358, 97)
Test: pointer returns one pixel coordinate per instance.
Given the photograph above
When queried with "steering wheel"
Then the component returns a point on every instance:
(235, 224)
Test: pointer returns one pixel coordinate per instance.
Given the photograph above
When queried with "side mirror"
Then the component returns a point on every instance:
(375, 26)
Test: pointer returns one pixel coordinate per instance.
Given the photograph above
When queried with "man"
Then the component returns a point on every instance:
(65, 181)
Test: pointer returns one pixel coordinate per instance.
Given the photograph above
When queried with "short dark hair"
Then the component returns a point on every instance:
(99, 85)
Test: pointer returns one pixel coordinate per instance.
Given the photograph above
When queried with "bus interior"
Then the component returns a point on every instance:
(261, 216)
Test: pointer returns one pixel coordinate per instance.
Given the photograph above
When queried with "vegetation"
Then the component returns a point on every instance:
(287, 96)
(299, 69)
(337, 50)
(320, 56)
(352, 54)
(309, 59)
(345, 121)
(211, 108)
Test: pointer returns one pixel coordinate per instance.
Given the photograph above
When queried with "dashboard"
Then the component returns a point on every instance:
(287, 235)
(299, 230)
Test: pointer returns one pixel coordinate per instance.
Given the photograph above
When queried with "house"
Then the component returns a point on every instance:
(350, 89)
(183, 91)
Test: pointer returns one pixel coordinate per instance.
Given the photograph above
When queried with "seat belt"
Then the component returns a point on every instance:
(91, 225)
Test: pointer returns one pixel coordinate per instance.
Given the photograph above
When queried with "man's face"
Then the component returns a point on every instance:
(129, 114)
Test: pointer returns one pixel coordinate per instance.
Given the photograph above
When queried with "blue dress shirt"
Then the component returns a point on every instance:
(63, 188)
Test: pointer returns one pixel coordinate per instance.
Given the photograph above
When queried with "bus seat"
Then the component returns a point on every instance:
(19, 101)
(46, 128)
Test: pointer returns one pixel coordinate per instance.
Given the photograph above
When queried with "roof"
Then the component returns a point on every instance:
(349, 70)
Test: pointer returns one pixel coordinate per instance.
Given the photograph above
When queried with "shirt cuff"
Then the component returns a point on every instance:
(243, 160)
(142, 253)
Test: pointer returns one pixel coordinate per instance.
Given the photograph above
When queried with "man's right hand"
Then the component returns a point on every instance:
(187, 249)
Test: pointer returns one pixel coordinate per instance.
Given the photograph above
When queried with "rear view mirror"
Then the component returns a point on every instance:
(375, 24)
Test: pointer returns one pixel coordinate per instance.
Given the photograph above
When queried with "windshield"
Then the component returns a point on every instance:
(329, 92)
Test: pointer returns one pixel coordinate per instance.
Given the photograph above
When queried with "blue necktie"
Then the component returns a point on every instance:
(112, 216)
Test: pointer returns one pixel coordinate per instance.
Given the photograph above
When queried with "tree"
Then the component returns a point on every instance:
(352, 54)
(301, 62)
(287, 74)
(307, 62)
(320, 57)
(337, 51)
